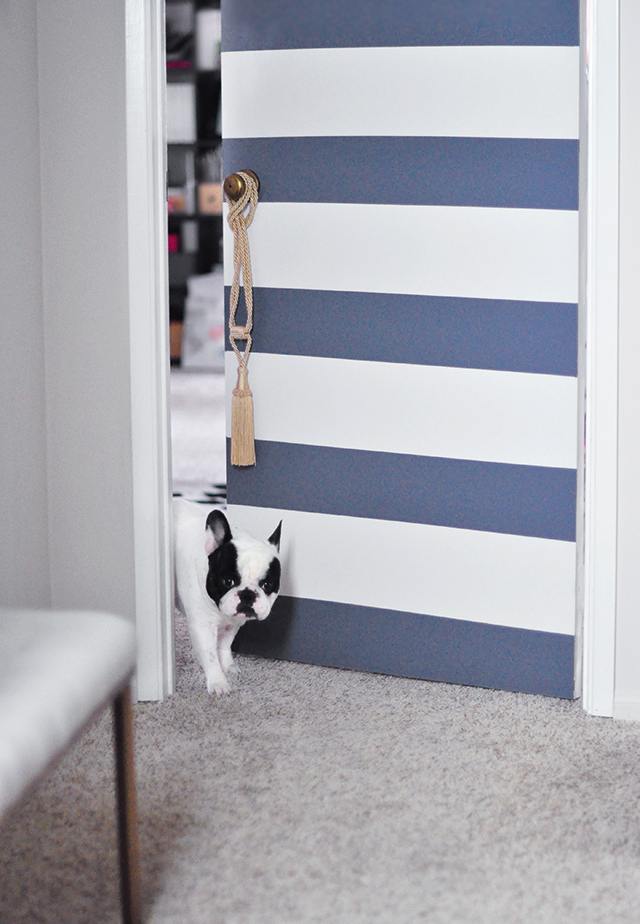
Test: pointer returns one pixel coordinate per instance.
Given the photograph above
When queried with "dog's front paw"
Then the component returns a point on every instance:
(218, 685)
(232, 669)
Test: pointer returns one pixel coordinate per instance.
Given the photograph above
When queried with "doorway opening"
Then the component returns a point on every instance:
(196, 285)
(601, 614)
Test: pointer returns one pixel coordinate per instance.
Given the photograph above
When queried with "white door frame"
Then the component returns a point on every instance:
(598, 363)
(149, 346)
(600, 331)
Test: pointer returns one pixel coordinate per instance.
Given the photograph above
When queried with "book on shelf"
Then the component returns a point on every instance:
(210, 198)
(208, 104)
(176, 200)
(208, 38)
(179, 35)
(189, 236)
(181, 113)
(184, 240)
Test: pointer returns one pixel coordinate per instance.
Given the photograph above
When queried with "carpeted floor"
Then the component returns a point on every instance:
(317, 795)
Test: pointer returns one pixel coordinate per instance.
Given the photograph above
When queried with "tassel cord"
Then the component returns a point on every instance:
(242, 436)
(239, 222)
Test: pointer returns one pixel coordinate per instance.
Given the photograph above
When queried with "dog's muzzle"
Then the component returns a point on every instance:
(246, 600)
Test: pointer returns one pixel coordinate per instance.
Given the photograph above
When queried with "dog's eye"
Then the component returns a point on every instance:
(267, 586)
(227, 582)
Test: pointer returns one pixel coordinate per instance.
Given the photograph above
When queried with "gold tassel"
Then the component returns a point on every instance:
(243, 450)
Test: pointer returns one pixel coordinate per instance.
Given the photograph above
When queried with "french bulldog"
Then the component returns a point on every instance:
(222, 580)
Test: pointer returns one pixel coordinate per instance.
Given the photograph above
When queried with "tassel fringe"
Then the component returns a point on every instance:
(243, 450)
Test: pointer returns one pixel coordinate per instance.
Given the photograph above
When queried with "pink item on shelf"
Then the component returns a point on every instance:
(174, 243)
(176, 200)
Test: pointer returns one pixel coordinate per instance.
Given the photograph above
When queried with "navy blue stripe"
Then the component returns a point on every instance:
(469, 333)
(410, 645)
(522, 173)
(521, 500)
(253, 24)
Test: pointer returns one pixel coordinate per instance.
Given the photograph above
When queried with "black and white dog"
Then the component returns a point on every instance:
(222, 580)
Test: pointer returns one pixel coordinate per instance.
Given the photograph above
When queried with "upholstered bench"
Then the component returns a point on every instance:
(58, 671)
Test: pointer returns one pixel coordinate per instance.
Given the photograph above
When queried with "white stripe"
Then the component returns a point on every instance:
(470, 91)
(529, 254)
(484, 415)
(502, 580)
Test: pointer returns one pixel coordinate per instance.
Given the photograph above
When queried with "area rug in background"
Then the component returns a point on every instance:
(198, 445)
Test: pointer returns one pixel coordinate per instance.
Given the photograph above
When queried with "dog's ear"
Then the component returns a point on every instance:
(274, 538)
(217, 531)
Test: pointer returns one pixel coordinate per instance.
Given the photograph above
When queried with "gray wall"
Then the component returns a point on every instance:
(24, 564)
(84, 205)
(66, 518)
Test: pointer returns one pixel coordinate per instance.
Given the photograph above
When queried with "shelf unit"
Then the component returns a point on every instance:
(194, 150)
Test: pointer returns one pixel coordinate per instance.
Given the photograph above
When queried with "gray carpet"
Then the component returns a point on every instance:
(317, 795)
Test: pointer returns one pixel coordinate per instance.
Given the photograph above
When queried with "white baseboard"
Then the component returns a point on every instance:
(627, 707)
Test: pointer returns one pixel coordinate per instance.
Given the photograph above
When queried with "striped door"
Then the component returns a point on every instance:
(415, 257)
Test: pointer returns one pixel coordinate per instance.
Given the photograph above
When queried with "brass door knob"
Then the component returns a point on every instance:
(234, 185)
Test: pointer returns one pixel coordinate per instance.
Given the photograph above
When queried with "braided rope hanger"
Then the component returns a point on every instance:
(242, 436)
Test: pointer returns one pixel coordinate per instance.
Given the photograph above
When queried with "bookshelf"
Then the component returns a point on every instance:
(194, 150)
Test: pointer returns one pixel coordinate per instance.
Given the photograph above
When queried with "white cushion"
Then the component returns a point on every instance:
(57, 671)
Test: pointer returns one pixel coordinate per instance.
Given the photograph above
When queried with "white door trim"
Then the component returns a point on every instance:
(149, 326)
(601, 358)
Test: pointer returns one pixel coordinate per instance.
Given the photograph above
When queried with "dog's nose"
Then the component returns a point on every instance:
(247, 596)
